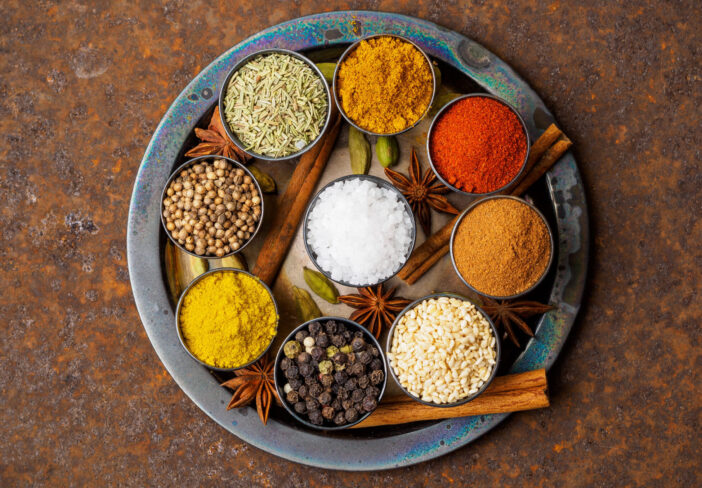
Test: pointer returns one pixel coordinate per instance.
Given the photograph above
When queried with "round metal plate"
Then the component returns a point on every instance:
(146, 266)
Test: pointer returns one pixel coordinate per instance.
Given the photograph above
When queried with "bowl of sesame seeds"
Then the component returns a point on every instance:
(443, 350)
(275, 104)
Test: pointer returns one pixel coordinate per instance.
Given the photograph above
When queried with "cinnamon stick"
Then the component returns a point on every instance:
(549, 158)
(436, 245)
(511, 393)
(294, 202)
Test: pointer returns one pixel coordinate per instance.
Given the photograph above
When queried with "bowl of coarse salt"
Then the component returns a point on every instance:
(443, 350)
(359, 230)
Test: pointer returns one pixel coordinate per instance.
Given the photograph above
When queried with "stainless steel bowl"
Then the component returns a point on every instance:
(453, 235)
(336, 92)
(280, 379)
(186, 165)
(380, 182)
(498, 350)
(438, 116)
(180, 302)
(223, 93)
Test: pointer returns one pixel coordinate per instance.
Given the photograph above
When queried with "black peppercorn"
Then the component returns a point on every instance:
(328, 413)
(359, 407)
(317, 353)
(326, 380)
(316, 418)
(300, 407)
(347, 336)
(310, 380)
(295, 383)
(311, 403)
(346, 403)
(314, 328)
(339, 358)
(315, 390)
(340, 329)
(351, 357)
(340, 377)
(357, 369)
(339, 418)
(376, 364)
(285, 363)
(373, 391)
(336, 404)
(292, 396)
(358, 333)
(322, 339)
(369, 403)
(306, 369)
(330, 327)
(343, 393)
(338, 340)
(377, 377)
(351, 384)
(300, 335)
(325, 398)
(357, 395)
(303, 357)
(303, 391)
(365, 357)
(358, 343)
(292, 371)
(363, 381)
(374, 352)
(351, 415)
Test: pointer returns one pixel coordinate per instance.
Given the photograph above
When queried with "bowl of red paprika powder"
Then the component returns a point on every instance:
(478, 144)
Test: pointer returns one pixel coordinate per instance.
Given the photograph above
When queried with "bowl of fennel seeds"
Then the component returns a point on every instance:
(275, 104)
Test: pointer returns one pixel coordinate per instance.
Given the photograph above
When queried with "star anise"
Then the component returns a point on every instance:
(421, 192)
(376, 309)
(215, 141)
(255, 382)
(507, 314)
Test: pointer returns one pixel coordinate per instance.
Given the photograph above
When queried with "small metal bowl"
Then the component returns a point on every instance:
(336, 91)
(186, 165)
(280, 379)
(383, 184)
(438, 117)
(180, 302)
(223, 93)
(498, 351)
(453, 235)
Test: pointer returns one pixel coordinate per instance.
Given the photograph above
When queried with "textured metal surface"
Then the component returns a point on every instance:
(86, 401)
(358, 452)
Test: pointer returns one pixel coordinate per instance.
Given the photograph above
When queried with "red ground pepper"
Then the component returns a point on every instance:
(478, 145)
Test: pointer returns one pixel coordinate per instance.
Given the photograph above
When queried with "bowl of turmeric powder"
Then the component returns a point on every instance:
(384, 84)
(227, 319)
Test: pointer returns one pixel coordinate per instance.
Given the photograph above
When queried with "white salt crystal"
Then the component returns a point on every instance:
(360, 232)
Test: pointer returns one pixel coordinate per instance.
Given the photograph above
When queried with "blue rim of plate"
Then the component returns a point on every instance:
(156, 310)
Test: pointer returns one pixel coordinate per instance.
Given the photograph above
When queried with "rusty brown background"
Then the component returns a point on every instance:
(86, 402)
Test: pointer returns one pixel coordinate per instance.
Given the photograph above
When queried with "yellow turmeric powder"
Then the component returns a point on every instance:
(385, 85)
(227, 319)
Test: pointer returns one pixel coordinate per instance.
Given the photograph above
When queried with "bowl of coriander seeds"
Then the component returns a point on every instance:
(275, 104)
(443, 350)
(211, 207)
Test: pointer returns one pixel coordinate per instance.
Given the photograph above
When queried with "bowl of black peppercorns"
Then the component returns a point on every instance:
(330, 373)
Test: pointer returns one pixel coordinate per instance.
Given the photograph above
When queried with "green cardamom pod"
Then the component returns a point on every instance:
(265, 181)
(387, 151)
(327, 70)
(321, 285)
(441, 99)
(307, 309)
(359, 151)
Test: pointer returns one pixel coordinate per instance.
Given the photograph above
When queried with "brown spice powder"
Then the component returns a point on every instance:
(502, 247)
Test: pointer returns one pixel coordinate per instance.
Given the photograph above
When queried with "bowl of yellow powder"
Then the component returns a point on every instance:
(227, 319)
(384, 85)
